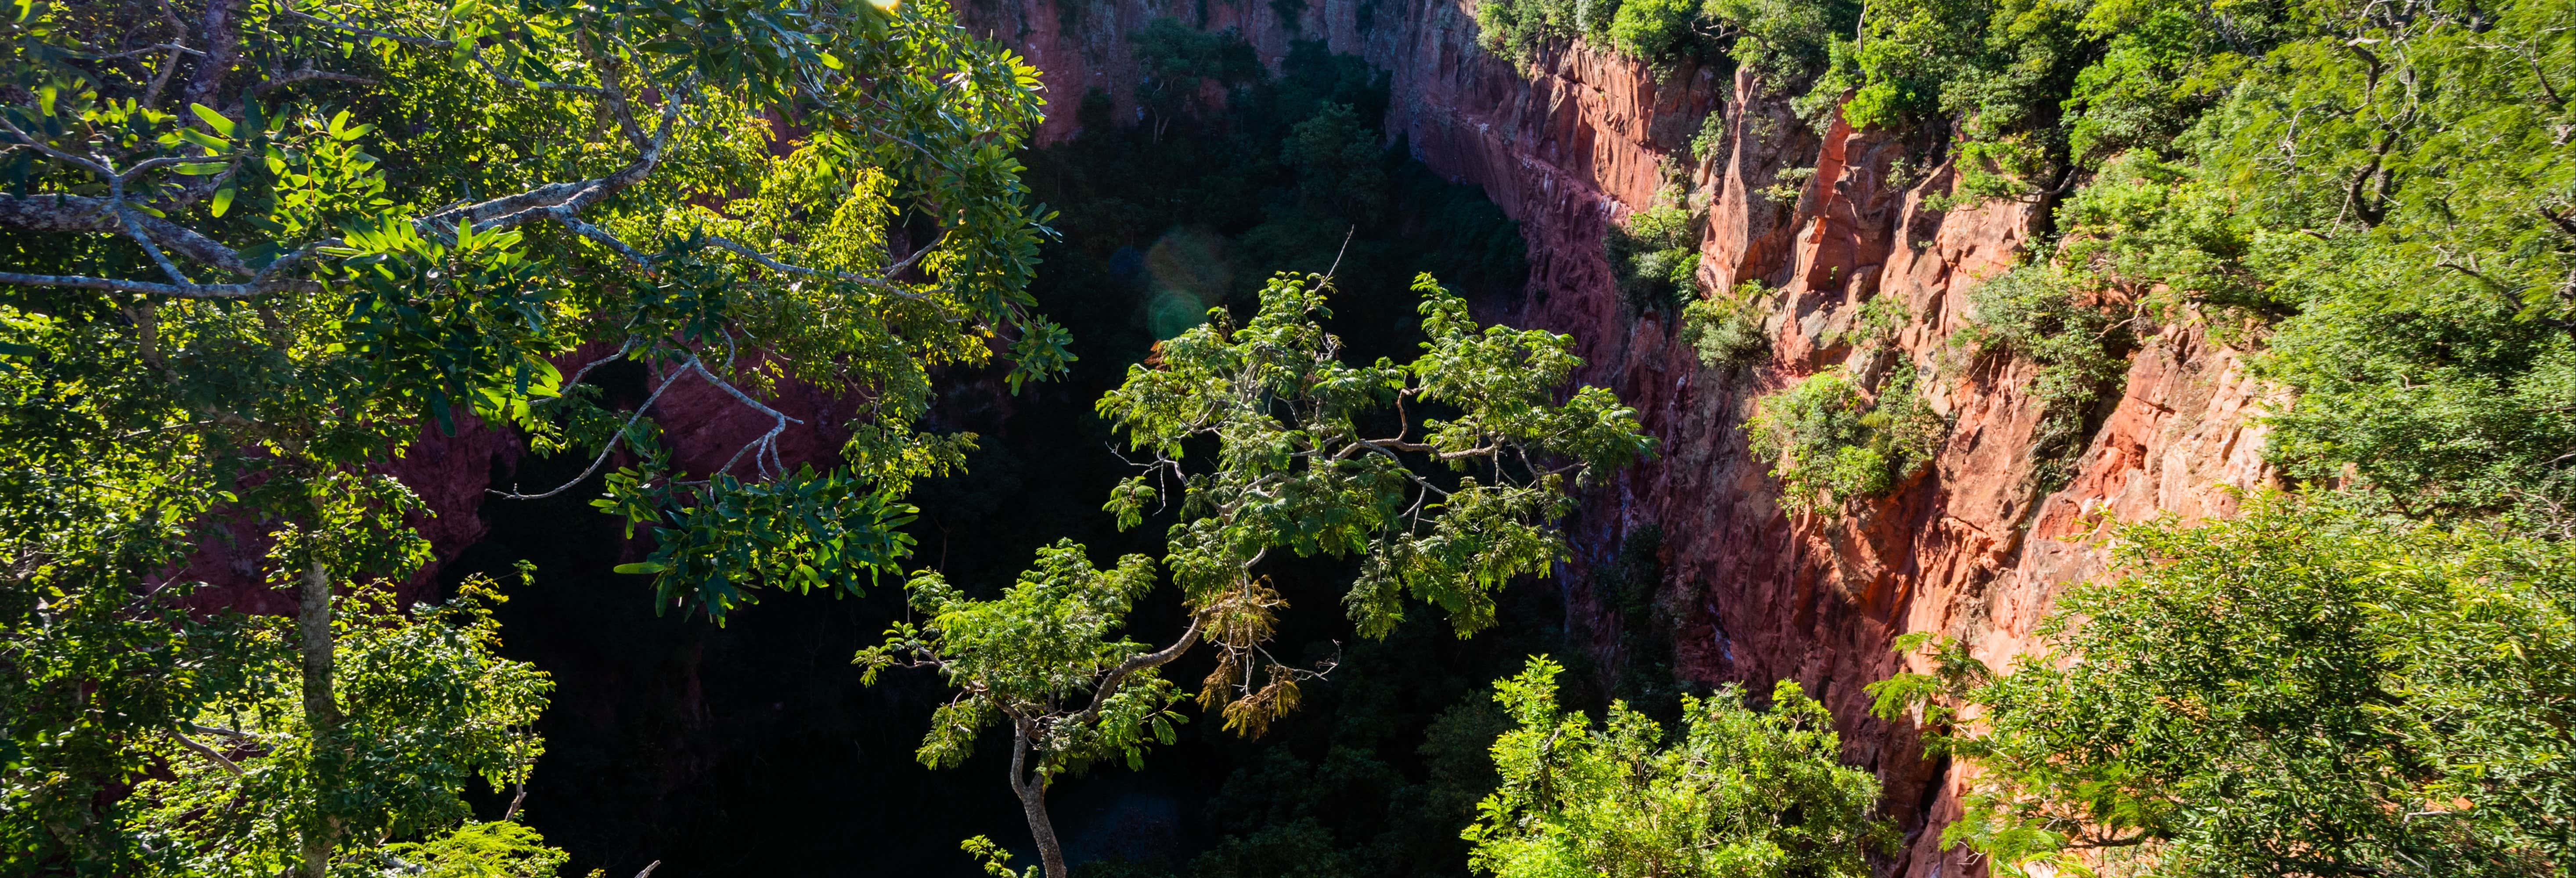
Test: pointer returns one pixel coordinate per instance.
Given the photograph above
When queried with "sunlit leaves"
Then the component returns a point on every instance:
(2308, 689)
(1317, 456)
(1741, 793)
(1038, 656)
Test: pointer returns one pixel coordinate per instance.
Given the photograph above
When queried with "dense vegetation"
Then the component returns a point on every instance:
(256, 252)
(2374, 200)
(1304, 465)
(2305, 690)
(1738, 792)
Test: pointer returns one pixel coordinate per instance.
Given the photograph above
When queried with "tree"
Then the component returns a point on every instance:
(427, 707)
(1046, 658)
(2305, 690)
(1742, 792)
(254, 250)
(1446, 518)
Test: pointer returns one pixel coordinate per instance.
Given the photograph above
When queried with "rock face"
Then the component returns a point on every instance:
(1969, 549)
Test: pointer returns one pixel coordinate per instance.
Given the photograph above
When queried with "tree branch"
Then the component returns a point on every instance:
(1118, 676)
(602, 459)
(205, 751)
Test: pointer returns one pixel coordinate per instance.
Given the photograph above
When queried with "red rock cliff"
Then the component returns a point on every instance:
(1970, 549)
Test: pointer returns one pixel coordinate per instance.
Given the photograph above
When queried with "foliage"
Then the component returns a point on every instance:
(1875, 325)
(498, 849)
(2308, 689)
(1175, 59)
(1337, 163)
(1295, 471)
(1784, 42)
(425, 708)
(1518, 29)
(1741, 792)
(1027, 657)
(254, 250)
(1655, 30)
(1829, 442)
(1631, 586)
(2034, 312)
(1725, 329)
(1655, 256)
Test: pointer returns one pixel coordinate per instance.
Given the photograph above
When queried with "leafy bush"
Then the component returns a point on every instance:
(1655, 257)
(1725, 329)
(2033, 312)
(1878, 322)
(1742, 792)
(1656, 30)
(1176, 58)
(1828, 442)
(2305, 690)
(1338, 162)
(1515, 29)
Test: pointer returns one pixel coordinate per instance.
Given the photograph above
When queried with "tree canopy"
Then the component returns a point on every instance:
(255, 250)
(1304, 462)
(1740, 791)
(2306, 690)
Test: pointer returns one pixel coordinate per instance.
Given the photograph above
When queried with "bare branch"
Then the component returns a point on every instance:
(774, 265)
(250, 290)
(205, 751)
(611, 447)
(309, 74)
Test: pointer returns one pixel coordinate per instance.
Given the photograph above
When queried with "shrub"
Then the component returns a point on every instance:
(1829, 442)
(1515, 29)
(1726, 329)
(2032, 312)
(1879, 320)
(1656, 31)
(1655, 257)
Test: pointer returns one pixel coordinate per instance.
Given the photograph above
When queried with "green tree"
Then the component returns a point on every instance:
(255, 249)
(1741, 792)
(425, 708)
(2305, 690)
(1339, 163)
(1047, 658)
(1447, 517)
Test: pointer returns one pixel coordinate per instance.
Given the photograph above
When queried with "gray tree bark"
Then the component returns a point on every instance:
(321, 709)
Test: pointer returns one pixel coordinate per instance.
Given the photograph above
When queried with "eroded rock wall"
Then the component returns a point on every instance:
(1971, 548)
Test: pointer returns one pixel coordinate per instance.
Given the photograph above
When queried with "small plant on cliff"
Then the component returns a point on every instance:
(1655, 256)
(2309, 689)
(1725, 329)
(1741, 792)
(1878, 322)
(1829, 442)
(2034, 312)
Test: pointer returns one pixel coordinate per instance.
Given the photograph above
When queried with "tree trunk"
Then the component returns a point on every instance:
(1032, 792)
(321, 710)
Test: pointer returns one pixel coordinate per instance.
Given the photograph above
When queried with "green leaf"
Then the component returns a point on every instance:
(223, 201)
(203, 169)
(641, 567)
(214, 119)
